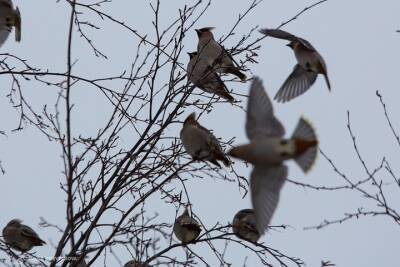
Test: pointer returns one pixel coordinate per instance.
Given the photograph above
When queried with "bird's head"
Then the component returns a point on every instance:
(190, 120)
(205, 32)
(293, 44)
(15, 222)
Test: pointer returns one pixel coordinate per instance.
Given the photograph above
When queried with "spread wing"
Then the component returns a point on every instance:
(280, 34)
(298, 82)
(266, 184)
(260, 115)
(276, 33)
(31, 235)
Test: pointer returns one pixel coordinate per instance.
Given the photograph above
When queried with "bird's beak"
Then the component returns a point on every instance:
(290, 45)
(198, 32)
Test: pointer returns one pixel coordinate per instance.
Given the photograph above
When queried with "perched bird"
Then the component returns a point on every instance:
(216, 55)
(309, 64)
(268, 150)
(21, 237)
(200, 143)
(186, 228)
(134, 263)
(244, 225)
(202, 76)
(9, 17)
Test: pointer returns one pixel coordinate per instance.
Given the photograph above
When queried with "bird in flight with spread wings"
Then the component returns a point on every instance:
(268, 150)
(309, 64)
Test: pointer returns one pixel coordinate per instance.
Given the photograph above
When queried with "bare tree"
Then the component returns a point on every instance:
(145, 102)
(378, 187)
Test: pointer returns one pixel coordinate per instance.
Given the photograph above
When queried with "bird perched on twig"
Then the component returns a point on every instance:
(9, 18)
(309, 64)
(268, 150)
(215, 54)
(244, 225)
(200, 143)
(21, 237)
(203, 76)
(186, 228)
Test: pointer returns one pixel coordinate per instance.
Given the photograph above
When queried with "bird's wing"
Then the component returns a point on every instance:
(30, 234)
(229, 56)
(299, 81)
(212, 83)
(276, 33)
(212, 141)
(266, 184)
(260, 114)
(280, 34)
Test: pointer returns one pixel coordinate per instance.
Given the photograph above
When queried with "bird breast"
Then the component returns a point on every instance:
(307, 59)
(194, 140)
(266, 151)
(209, 50)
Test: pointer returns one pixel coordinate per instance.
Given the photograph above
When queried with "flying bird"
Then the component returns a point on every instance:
(9, 18)
(203, 76)
(309, 64)
(186, 228)
(268, 150)
(200, 143)
(244, 225)
(215, 55)
(21, 237)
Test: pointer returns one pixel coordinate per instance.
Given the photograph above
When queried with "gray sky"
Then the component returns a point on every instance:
(359, 42)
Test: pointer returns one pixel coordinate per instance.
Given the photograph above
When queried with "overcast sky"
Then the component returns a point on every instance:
(360, 45)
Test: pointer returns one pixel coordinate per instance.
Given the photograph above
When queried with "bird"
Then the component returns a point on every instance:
(21, 237)
(200, 143)
(309, 64)
(215, 54)
(268, 150)
(134, 263)
(244, 225)
(186, 228)
(9, 17)
(201, 75)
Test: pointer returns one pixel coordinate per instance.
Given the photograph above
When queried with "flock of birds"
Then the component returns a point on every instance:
(268, 148)
(266, 151)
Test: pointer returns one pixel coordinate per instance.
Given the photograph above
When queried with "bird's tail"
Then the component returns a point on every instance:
(36, 241)
(306, 144)
(327, 82)
(235, 71)
(223, 92)
(17, 24)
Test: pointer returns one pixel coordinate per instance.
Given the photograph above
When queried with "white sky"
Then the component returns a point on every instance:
(359, 42)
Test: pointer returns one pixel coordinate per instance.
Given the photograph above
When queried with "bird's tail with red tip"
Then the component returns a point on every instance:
(306, 143)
